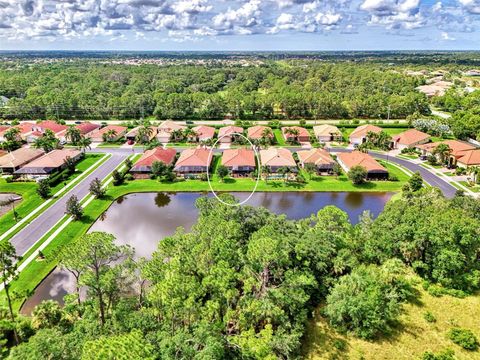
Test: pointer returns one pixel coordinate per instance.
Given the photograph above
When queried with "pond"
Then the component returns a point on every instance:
(141, 220)
(8, 201)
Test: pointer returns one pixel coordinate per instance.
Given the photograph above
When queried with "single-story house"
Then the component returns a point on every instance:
(25, 128)
(239, 161)
(303, 134)
(97, 135)
(204, 132)
(437, 88)
(375, 171)
(321, 158)
(326, 133)
(143, 167)
(359, 135)
(227, 134)
(257, 132)
(410, 139)
(166, 128)
(58, 129)
(458, 149)
(48, 163)
(3, 128)
(32, 136)
(87, 127)
(193, 162)
(131, 136)
(470, 158)
(276, 158)
(14, 160)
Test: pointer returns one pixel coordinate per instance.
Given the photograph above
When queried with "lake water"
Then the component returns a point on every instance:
(142, 220)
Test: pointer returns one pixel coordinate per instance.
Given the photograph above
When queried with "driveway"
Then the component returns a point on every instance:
(35, 230)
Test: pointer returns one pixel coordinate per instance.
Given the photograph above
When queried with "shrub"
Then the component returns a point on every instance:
(429, 317)
(464, 338)
(128, 176)
(392, 177)
(203, 177)
(448, 354)
(9, 179)
(357, 174)
(340, 344)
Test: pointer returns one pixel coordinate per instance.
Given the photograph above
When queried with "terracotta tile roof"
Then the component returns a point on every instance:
(302, 132)
(277, 157)
(363, 130)
(238, 157)
(410, 137)
(160, 154)
(86, 127)
(326, 130)
(3, 128)
(25, 127)
(134, 132)
(53, 159)
(458, 147)
(255, 132)
(194, 157)
(229, 130)
(169, 126)
(99, 132)
(204, 132)
(51, 125)
(315, 156)
(20, 157)
(357, 158)
(470, 158)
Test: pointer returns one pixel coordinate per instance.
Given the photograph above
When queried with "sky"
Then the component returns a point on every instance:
(239, 25)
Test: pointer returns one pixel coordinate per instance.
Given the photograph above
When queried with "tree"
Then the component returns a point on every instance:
(222, 172)
(96, 188)
(144, 133)
(337, 170)
(47, 141)
(158, 169)
(118, 177)
(73, 208)
(293, 134)
(73, 135)
(366, 301)
(415, 182)
(43, 188)
(69, 164)
(84, 143)
(8, 272)
(475, 172)
(110, 135)
(284, 170)
(12, 139)
(128, 346)
(443, 152)
(310, 168)
(357, 174)
(47, 314)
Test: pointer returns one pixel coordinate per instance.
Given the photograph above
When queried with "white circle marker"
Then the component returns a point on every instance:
(210, 155)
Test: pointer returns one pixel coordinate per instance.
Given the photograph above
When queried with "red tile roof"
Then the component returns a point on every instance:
(302, 132)
(357, 158)
(256, 132)
(86, 127)
(51, 125)
(363, 130)
(471, 158)
(204, 132)
(410, 137)
(238, 157)
(160, 154)
(315, 156)
(229, 130)
(194, 157)
(458, 147)
(277, 157)
(25, 127)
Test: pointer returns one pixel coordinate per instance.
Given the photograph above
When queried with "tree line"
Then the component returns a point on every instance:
(278, 89)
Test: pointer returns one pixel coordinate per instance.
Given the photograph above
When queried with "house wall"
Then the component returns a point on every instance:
(357, 140)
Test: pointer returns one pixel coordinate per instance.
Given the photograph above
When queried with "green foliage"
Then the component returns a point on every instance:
(366, 301)
(118, 177)
(222, 172)
(429, 317)
(447, 354)
(43, 188)
(96, 188)
(73, 208)
(357, 174)
(464, 338)
(415, 182)
(129, 346)
(47, 141)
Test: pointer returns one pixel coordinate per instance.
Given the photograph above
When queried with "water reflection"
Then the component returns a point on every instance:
(142, 220)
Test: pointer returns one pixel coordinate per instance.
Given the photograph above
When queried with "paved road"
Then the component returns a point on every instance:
(447, 189)
(31, 233)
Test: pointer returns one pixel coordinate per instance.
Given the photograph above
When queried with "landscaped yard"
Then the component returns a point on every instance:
(411, 337)
(279, 139)
(475, 188)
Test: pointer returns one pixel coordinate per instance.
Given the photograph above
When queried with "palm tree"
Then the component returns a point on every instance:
(284, 170)
(266, 172)
(267, 135)
(176, 135)
(47, 141)
(443, 151)
(293, 132)
(73, 134)
(144, 133)
(84, 143)
(110, 135)
(474, 171)
(189, 134)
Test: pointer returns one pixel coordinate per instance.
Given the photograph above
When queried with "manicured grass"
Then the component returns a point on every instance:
(410, 338)
(279, 139)
(30, 199)
(475, 188)
(111, 144)
(390, 131)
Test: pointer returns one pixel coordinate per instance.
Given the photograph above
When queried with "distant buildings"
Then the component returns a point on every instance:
(228, 134)
(204, 133)
(166, 129)
(295, 133)
(327, 133)
(437, 88)
(359, 135)
(112, 132)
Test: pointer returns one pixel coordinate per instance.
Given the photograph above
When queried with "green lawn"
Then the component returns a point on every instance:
(30, 199)
(279, 139)
(409, 339)
(475, 188)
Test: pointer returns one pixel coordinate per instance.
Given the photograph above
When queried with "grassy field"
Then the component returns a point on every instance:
(411, 337)
(390, 131)
(30, 199)
(279, 139)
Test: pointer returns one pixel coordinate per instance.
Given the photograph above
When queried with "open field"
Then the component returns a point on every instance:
(411, 337)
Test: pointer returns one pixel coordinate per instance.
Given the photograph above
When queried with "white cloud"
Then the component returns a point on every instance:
(446, 36)
(472, 6)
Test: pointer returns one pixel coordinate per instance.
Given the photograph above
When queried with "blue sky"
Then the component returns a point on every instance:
(239, 24)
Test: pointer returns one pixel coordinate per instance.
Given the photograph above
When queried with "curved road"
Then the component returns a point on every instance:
(35, 230)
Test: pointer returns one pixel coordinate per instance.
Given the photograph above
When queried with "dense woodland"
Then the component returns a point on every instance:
(244, 282)
(274, 89)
